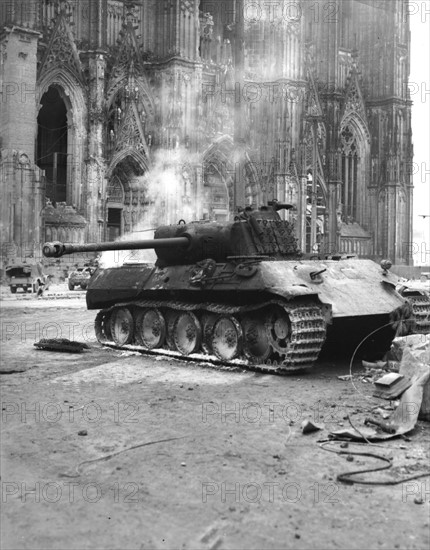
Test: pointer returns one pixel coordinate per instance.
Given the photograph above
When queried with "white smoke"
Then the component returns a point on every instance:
(170, 194)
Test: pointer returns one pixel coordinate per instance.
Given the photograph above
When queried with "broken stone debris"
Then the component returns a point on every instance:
(414, 403)
(391, 386)
(416, 365)
(417, 342)
(308, 427)
(378, 365)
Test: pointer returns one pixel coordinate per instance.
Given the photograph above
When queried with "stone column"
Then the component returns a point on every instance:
(95, 184)
(391, 214)
(301, 214)
(18, 114)
(333, 239)
(199, 191)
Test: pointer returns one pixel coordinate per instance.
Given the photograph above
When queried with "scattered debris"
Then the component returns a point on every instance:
(346, 377)
(61, 344)
(129, 353)
(349, 477)
(381, 412)
(379, 365)
(391, 385)
(308, 427)
(383, 425)
(393, 366)
(402, 420)
(109, 456)
(416, 364)
(417, 342)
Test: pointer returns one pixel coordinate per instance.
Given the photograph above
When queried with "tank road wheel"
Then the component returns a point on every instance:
(150, 328)
(187, 333)
(208, 320)
(102, 327)
(255, 340)
(279, 331)
(122, 326)
(227, 338)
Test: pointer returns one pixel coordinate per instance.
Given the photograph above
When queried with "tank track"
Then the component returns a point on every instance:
(268, 323)
(421, 313)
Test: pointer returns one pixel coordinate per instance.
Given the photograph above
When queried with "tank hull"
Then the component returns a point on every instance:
(352, 288)
(285, 313)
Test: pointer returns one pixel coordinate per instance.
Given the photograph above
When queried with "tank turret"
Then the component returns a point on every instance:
(242, 290)
(254, 233)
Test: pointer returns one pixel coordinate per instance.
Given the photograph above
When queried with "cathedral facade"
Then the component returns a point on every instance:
(117, 116)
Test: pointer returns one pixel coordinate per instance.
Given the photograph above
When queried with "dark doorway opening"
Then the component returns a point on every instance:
(51, 154)
(114, 223)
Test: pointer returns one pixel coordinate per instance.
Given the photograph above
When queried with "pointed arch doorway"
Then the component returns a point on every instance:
(115, 205)
(125, 198)
(53, 144)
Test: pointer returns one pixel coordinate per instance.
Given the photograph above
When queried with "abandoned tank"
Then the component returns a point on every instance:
(242, 290)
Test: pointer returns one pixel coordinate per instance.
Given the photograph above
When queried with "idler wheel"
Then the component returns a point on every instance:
(150, 328)
(279, 331)
(256, 344)
(187, 333)
(122, 326)
(227, 338)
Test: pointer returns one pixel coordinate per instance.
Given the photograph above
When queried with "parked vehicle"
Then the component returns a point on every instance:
(26, 276)
(80, 277)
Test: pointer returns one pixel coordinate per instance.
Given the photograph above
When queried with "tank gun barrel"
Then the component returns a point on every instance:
(58, 249)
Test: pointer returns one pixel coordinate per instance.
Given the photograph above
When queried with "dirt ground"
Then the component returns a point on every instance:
(214, 458)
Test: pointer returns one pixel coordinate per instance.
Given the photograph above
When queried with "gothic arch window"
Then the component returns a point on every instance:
(52, 143)
(316, 191)
(126, 197)
(218, 175)
(320, 212)
(351, 161)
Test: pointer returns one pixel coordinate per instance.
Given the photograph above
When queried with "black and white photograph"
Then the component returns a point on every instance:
(215, 274)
